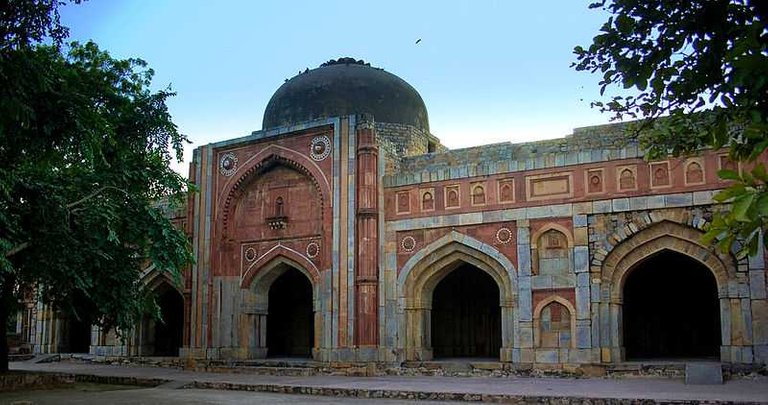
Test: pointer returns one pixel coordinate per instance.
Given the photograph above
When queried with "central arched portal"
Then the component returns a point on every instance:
(466, 316)
(671, 309)
(290, 320)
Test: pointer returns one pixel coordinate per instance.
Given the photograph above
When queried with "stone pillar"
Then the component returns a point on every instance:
(419, 329)
(508, 310)
(523, 328)
(759, 305)
(367, 275)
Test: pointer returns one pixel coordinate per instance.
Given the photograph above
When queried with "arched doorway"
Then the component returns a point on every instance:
(425, 271)
(290, 318)
(671, 309)
(466, 316)
(169, 330)
(78, 335)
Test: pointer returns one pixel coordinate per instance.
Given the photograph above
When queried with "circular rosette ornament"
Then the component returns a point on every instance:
(228, 164)
(250, 254)
(320, 148)
(408, 244)
(504, 235)
(313, 249)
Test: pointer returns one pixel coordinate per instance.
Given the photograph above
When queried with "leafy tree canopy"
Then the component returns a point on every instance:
(702, 66)
(85, 147)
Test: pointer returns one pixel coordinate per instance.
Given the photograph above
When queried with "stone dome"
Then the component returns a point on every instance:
(342, 87)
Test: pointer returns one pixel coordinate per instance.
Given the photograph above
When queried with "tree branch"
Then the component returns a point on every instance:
(16, 249)
(21, 246)
(93, 194)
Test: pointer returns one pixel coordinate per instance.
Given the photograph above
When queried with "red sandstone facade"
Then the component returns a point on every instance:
(348, 237)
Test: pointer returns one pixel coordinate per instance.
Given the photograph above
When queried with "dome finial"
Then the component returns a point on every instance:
(345, 61)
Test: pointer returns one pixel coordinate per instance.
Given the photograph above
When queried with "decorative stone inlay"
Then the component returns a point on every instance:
(408, 243)
(250, 254)
(504, 235)
(660, 174)
(452, 197)
(403, 202)
(506, 191)
(320, 148)
(228, 164)
(427, 200)
(694, 172)
(548, 186)
(313, 249)
(626, 176)
(595, 181)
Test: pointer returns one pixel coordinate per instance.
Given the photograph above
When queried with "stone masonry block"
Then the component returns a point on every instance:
(582, 208)
(581, 259)
(526, 337)
(583, 337)
(620, 204)
(757, 261)
(757, 288)
(638, 203)
(548, 356)
(523, 234)
(760, 322)
(579, 220)
(678, 200)
(703, 197)
(581, 236)
(582, 303)
(601, 207)
(524, 259)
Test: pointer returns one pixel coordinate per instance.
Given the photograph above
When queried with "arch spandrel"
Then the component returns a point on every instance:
(426, 268)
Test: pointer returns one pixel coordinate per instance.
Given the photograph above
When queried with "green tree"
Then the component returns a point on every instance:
(696, 75)
(85, 147)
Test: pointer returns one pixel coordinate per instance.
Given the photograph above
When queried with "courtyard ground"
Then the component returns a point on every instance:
(179, 384)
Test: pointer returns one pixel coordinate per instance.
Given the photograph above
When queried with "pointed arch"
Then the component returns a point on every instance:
(262, 161)
(255, 288)
(153, 279)
(665, 235)
(277, 257)
(449, 250)
(642, 244)
(421, 274)
(549, 227)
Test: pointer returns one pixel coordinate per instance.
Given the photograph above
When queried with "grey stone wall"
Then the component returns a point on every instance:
(585, 145)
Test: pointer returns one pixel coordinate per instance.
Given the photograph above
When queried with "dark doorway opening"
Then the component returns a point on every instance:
(78, 335)
(671, 309)
(466, 316)
(169, 330)
(290, 322)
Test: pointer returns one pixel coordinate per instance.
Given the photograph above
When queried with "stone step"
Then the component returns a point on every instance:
(265, 370)
(704, 373)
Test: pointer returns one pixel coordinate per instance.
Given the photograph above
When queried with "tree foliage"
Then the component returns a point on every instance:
(85, 147)
(696, 74)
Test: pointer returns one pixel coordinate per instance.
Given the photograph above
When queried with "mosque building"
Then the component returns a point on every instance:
(344, 231)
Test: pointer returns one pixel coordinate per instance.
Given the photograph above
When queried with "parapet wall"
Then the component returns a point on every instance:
(586, 145)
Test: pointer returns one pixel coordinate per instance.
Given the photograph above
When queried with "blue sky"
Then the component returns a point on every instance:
(488, 71)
